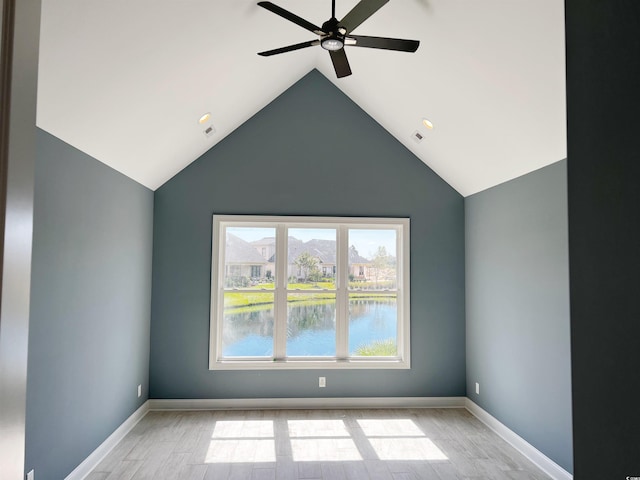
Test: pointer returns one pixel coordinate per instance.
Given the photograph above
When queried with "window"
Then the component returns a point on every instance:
(333, 293)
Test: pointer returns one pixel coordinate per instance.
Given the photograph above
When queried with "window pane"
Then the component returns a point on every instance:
(311, 258)
(311, 324)
(249, 257)
(247, 326)
(372, 259)
(373, 325)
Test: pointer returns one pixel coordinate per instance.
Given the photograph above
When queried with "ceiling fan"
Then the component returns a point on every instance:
(336, 34)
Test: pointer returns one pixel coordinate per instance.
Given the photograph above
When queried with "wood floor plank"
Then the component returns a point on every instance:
(310, 470)
(217, 471)
(356, 471)
(125, 470)
(424, 471)
(240, 471)
(286, 468)
(524, 475)
(333, 471)
(403, 476)
(154, 460)
(377, 470)
(188, 441)
(96, 476)
(462, 459)
(172, 466)
(192, 472)
(263, 474)
(202, 447)
(119, 452)
(447, 471)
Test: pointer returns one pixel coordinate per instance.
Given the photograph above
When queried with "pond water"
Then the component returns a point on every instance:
(311, 328)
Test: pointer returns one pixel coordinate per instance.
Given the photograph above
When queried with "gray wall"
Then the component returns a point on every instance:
(517, 288)
(90, 306)
(310, 152)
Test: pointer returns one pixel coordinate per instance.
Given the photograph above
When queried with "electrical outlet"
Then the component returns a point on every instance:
(322, 382)
(477, 388)
(139, 391)
(31, 475)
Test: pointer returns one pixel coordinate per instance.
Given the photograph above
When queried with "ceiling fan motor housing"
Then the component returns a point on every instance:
(334, 40)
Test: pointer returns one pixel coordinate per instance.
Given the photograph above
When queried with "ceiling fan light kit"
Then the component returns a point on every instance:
(336, 34)
(332, 43)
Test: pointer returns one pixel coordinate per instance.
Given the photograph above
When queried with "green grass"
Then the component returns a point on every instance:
(378, 348)
(296, 286)
(326, 285)
(246, 302)
(237, 299)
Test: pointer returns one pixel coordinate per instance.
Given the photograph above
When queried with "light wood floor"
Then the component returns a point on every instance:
(397, 444)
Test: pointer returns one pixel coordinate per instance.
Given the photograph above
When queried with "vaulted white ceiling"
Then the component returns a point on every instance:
(126, 81)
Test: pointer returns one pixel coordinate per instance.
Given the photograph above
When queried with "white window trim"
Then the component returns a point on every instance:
(402, 361)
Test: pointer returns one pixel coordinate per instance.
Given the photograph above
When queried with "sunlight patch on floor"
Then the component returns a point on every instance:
(406, 449)
(241, 451)
(243, 429)
(254, 441)
(324, 450)
(317, 428)
(393, 427)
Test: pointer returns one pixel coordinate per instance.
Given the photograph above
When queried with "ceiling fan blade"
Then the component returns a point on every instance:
(291, 17)
(340, 63)
(360, 13)
(289, 48)
(398, 44)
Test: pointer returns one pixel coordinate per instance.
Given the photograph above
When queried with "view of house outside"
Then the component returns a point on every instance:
(250, 284)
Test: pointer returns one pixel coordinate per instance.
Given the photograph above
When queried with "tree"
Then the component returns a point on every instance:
(307, 265)
(380, 262)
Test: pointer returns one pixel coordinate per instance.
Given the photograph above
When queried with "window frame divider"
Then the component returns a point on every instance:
(280, 307)
(342, 296)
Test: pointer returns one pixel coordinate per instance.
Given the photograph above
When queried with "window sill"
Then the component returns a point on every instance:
(311, 364)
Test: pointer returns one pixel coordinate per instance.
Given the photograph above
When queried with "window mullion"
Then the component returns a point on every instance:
(342, 298)
(280, 320)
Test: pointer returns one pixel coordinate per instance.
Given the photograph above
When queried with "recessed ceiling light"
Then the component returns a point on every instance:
(427, 124)
(204, 118)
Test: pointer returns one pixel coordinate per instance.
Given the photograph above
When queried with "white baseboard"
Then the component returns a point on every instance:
(303, 403)
(92, 461)
(543, 462)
